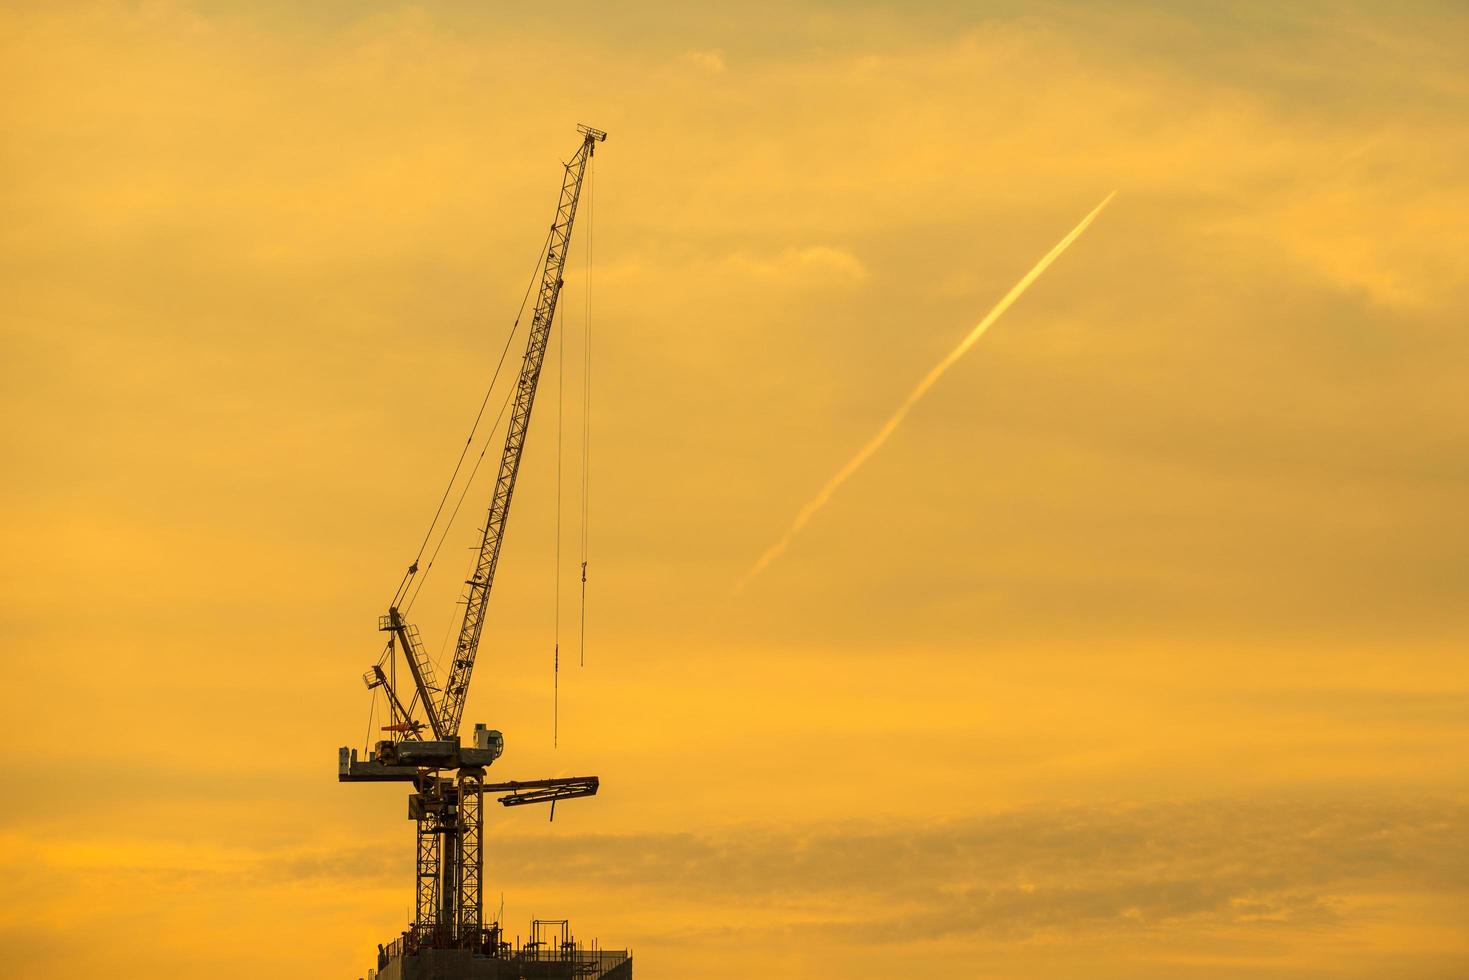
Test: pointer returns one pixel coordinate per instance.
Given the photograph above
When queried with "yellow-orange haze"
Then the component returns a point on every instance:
(891, 425)
(1138, 653)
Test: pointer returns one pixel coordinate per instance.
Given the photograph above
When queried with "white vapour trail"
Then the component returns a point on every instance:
(891, 425)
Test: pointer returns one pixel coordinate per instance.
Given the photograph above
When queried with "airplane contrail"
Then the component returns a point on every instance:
(891, 425)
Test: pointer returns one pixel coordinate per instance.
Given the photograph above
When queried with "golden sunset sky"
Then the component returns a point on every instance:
(1139, 651)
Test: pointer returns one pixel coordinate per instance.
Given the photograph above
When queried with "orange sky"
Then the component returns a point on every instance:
(1138, 651)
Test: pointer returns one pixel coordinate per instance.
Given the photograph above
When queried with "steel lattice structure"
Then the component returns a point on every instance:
(470, 885)
(428, 815)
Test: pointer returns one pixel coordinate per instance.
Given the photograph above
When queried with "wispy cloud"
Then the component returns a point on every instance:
(806, 265)
(707, 60)
(1211, 875)
(1226, 858)
(1072, 869)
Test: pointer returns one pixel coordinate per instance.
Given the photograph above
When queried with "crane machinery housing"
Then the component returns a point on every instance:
(448, 937)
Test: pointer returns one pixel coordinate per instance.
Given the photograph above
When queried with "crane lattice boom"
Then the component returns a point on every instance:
(477, 588)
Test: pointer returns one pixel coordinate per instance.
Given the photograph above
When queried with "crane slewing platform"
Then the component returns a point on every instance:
(448, 938)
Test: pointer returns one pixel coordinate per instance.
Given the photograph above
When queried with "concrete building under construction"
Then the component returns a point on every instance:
(552, 953)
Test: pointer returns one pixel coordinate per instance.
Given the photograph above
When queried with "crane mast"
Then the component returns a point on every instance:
(448, 777)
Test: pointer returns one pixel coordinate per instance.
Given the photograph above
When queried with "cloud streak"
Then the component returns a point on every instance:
(1161, 855)
(1214, 875)
(914, 397)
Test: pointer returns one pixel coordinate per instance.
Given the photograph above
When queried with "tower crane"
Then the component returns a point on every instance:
(448, 775)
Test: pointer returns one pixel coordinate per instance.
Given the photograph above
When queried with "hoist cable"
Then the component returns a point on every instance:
(464, 492)
(586, 408)
(556, 631)
(371, 713)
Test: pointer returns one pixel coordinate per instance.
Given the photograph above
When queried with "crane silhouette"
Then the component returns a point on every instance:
(448, 775)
